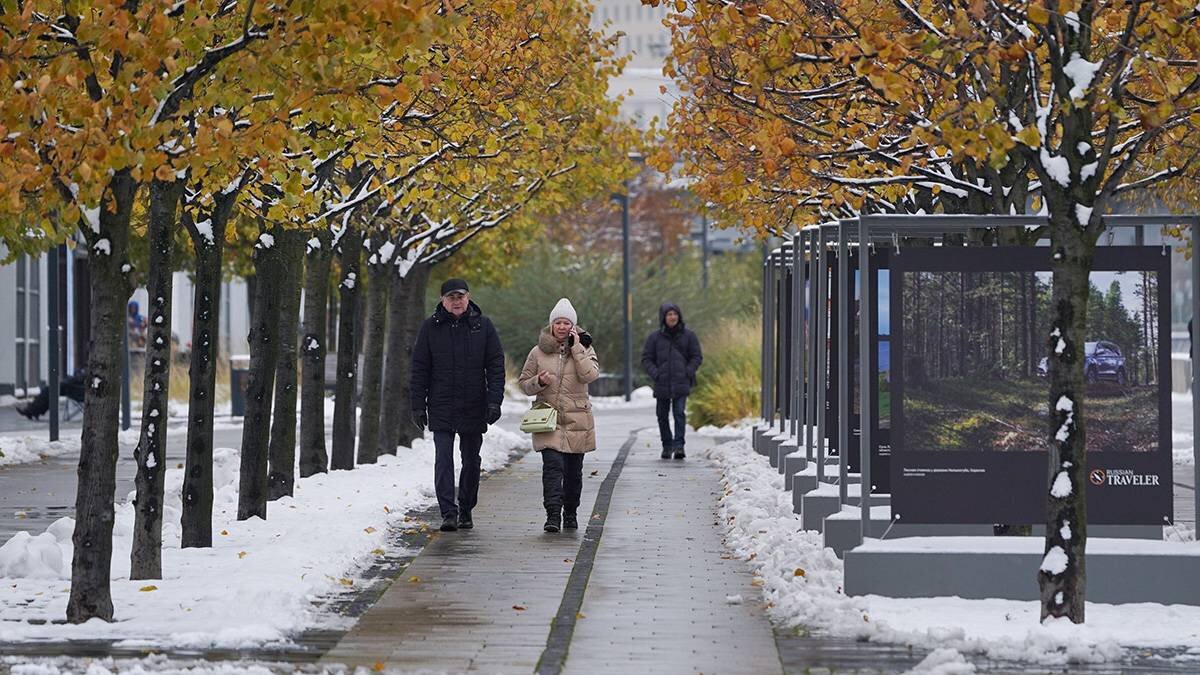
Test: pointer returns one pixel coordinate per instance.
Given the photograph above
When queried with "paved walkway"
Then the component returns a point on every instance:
(655, 599)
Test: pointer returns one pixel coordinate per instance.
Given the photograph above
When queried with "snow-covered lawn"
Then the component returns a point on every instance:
(256, 584)
(802, 585)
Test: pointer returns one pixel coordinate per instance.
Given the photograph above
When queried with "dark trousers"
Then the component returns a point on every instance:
(443, 471)
(562, 479)
(666, 408)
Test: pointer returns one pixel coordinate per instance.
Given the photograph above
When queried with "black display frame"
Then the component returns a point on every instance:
(951, 487)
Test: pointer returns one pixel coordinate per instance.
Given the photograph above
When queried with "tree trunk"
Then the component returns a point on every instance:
(208, 243)
(349, 252)
(282, 449)
(91, 563)
(406, 311)
(260, 383)
(146, 557)
(379, 271)
(313, 457)
(1062, 579)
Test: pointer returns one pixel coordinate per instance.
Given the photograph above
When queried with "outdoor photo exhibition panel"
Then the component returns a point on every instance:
(880, 363)
(969, 408)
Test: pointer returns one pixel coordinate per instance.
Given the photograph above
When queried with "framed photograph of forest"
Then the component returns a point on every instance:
(970, 399)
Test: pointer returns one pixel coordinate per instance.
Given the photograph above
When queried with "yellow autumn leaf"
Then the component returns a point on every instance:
(147, 589)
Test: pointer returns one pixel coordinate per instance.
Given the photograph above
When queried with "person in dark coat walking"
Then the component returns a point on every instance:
(457, 386)
(671, 358)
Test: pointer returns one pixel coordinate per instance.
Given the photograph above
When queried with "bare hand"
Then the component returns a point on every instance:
(545, 378)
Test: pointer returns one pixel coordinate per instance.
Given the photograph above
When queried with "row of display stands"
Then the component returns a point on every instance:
(882, 555)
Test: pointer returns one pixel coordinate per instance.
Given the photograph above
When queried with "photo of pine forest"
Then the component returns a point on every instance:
(975, 367)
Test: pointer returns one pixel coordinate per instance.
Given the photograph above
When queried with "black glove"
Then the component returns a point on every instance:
(421, 419)
(586, 340)
(493, 413)
(570, 340)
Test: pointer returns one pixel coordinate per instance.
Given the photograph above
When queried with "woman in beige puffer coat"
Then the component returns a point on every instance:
(557, 371)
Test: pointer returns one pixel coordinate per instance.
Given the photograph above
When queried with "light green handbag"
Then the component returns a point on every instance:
(541, 418)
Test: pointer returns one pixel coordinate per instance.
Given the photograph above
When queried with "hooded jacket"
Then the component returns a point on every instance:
(672, 356)
(573, 368)
(457, 370)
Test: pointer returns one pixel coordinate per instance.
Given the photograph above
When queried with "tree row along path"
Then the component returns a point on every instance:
(643, 586)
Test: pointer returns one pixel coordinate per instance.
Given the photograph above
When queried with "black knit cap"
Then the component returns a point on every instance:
(454, 285)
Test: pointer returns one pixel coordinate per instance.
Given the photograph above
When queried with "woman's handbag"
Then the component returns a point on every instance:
(541, 418)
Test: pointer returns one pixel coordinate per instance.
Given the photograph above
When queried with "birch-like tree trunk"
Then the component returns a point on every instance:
(208, 243)
(150, 455)
(91, 564)
(406, 311)
(349, 252)
(260, 386)
(281, 478)
(379, 273)
(319, 255)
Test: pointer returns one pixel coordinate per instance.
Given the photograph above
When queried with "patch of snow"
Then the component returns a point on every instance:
(1060, 346)
(103, 247)
(1055, 561)
(1088, 170)
(265, 240)
(313, 245)
(1083, 147)
(1064, 404)
(150, 461)
(944, 662)
(92, 216)
(386, 251)
(350, 280)
(1083, 214)
(126, 268)
(1057, 167)
(1081, 71)
(312, 545)
(761, 529)
(1065, 531)
(205, 228)
(1072, 19)
(25, 449)
(1062, 485)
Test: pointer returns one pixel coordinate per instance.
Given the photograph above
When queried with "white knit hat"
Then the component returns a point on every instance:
(564, 310)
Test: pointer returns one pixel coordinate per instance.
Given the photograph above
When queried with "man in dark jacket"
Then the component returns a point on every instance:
(671, 357)
(457, 385)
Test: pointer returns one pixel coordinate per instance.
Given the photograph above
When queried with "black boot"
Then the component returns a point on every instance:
(553, 519)
(464, 521)
(569, 521)
(666, 453)
(449, 524)
(679, 453)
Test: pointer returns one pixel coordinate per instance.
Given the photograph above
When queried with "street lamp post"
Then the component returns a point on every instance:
(627, 294)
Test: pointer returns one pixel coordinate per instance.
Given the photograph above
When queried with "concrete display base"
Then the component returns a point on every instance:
(756, 437)
(785, 448)
(771, 447)
(843, 530)
(792, 466)
(1119, 570)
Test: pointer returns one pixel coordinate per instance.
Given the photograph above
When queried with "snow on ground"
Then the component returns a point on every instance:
(156, 664)
(802, 584)
(23, 448)
(516, 401)
(310, 545)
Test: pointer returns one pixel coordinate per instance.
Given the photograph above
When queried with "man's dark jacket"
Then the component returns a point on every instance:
(672, 356)
(457, 370)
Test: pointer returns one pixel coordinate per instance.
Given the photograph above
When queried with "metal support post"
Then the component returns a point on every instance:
(845, 305)
(866, 423)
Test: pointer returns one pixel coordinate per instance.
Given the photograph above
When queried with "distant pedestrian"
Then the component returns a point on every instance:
(557, 371)
(671, 358)
(457, 385)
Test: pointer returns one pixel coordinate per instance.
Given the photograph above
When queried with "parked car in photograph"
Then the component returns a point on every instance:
(1102, 361)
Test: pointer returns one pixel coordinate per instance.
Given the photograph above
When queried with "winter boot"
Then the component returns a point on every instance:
(666, 453)
(553, 519)
(679, 453)
(449, 524)
(464, 520)
(569, 521)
